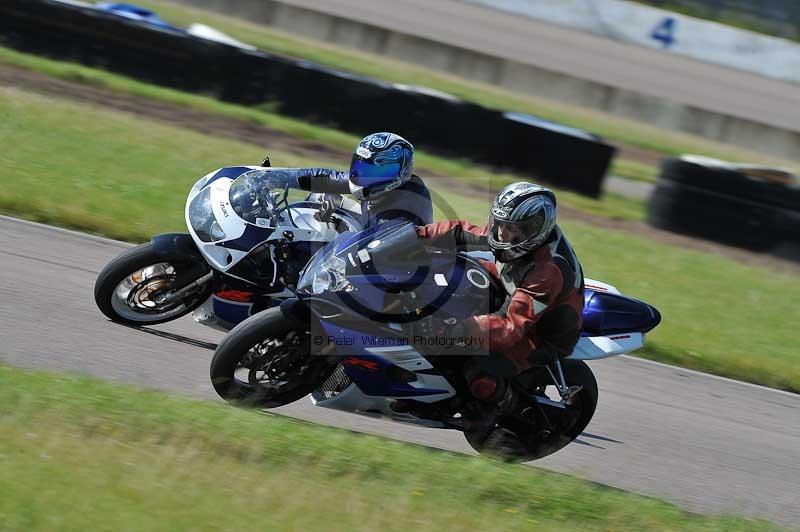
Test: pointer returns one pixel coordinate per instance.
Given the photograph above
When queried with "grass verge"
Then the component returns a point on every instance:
(112, 173)
(82, 454)
(609, 205)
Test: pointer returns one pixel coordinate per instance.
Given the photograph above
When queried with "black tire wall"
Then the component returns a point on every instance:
(726, 206)
(353, 103)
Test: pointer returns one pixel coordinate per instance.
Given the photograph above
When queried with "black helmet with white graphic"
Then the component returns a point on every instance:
(522, 217)
(381, 162)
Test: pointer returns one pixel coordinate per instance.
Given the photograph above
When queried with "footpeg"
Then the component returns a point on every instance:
(571, 392)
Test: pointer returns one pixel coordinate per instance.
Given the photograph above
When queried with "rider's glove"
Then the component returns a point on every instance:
(279, 179)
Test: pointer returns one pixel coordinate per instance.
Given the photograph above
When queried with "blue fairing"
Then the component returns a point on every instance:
(372, 373)
(252, 236)
(605, 313)
(231, 311)
(231, 172)
(385, 260)
(347, 240)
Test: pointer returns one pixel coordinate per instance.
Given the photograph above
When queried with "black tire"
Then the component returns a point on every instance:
(531, 445)
(128, 263)
(239, 344)
(707, 214)
(730, 182)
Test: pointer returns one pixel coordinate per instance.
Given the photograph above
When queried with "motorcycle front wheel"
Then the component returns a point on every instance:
(134, 287)
(268, 361)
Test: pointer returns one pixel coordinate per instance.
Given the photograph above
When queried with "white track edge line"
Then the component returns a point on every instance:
(711, 376)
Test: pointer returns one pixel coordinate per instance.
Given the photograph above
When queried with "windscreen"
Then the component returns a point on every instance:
(250, 197)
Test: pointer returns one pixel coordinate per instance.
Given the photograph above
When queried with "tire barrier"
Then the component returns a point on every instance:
(437, 122)
(762, 185)
(719, 202)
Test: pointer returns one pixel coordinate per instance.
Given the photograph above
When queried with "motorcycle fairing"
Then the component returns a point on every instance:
(231, 172)
(373, 368)
(597, 347)
(230, 312)
(242, 236)
(241, 254)
(607, 314)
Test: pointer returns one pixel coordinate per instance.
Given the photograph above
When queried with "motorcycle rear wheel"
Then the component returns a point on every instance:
(529, 443)
(128, 289)
(267, 361)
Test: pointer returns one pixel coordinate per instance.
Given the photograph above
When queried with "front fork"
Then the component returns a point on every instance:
(189, 289)
(566, 392)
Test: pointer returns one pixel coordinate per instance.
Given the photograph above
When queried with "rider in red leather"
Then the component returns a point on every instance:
(543, 280)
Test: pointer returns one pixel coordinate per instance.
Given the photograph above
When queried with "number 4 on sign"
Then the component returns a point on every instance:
(664, 32)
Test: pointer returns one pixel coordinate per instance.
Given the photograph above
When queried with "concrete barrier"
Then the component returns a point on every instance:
(665, 30)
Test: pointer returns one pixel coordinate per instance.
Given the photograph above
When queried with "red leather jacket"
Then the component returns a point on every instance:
(541, 317)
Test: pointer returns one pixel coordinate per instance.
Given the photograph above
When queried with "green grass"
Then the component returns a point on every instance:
(112, 173)
(609, 205)
(82, 454)
(611, 127)
(634, 170)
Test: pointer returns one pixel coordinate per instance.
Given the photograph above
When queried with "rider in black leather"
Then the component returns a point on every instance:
(380, 178)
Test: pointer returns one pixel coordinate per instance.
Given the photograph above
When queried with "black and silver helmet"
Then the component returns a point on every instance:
(522, 217)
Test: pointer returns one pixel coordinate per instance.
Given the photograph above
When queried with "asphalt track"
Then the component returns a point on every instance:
(581, 55)
(707, 443)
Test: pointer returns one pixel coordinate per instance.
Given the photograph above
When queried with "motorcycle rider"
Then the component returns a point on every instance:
(380, 178)
(543, 281)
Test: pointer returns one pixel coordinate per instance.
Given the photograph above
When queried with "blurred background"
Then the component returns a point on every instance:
(670, 130)
(780, 18)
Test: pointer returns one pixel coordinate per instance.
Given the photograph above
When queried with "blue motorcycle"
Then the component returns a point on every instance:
(349, 339)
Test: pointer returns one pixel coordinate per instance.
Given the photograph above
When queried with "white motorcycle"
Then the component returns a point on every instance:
(244, 252)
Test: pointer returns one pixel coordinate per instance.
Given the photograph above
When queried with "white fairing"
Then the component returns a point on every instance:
(594, 347)
(603, 287)
(299, 220)
(218, 257)
(227, 226)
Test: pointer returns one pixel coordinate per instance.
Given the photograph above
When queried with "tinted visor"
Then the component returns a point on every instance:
(508, 234)
(364, 173)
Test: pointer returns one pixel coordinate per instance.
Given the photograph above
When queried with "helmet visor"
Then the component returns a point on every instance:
(506, 234)
(365, 174)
